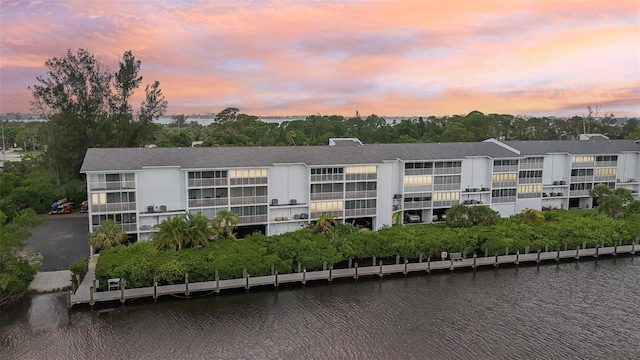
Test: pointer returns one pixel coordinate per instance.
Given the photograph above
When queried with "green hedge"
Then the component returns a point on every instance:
(78, 271)
(139, 262)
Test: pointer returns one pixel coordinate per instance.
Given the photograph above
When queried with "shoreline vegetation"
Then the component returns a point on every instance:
(341, 245)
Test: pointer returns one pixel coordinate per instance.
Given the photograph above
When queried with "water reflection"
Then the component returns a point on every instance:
(570, 311)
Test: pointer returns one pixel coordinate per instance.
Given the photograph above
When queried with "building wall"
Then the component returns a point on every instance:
(161, 187)
(167, 186)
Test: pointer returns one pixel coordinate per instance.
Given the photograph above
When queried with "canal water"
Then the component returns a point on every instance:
(575, 310)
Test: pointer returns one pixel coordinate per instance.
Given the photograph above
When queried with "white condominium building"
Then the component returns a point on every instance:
(279, 189)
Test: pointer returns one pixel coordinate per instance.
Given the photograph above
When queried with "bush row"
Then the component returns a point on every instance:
(140, 262)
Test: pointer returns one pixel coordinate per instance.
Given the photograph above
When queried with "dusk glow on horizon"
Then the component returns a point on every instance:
(390, 58)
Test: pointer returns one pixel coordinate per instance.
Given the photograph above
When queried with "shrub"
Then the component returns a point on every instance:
(78, 271)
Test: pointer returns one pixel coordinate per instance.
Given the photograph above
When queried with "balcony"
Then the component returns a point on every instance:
(359, 212)
(372, 176)
(504, 184)
(252, 219)
(445, 203)
(326, 196)
(361, 194)
(606, 164)
(448, 170)
(249, 200)
(317, 214)
(506, 168)
(327, 177)
(207, 182)
(587, 178)
(455, 186)
(536, 180)
(413, 172)
(503, 199)
(112, 185)
(208, 202)
(579, 193)
(99, 208)
(417, 204)
(248, 181)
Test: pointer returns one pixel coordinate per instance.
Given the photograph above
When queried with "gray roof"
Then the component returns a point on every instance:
(115, 159)
(574, 147)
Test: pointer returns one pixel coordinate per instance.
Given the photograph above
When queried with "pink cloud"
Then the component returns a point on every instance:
(284, 57)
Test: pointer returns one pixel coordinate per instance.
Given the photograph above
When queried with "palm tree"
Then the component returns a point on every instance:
(108, 235)
(223, 224)
(198, 231)
(172, 233)
(326, 222)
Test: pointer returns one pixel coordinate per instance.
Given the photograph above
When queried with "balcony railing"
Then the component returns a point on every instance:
(327, 177)
(360, 194)
(443, 203)
(535, 180)
(207, 182)
(208, 202)
(530, 166)
(128, 227)
(359, 212)
(455, 186)
(317, 214)
(504, 184)
(576, 165)
(326, 196)
(605, 178)
(505, 168)
(606, 163)
(503, 199)
(447, 170)
(112, 185)
(98, 208)
(586, 178)
(372, 176)
(252, 219)
(579, 193)
(413, 172)
(248, 181)
(417, 204)
(249, 200)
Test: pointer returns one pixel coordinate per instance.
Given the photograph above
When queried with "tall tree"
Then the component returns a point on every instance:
(88, 106)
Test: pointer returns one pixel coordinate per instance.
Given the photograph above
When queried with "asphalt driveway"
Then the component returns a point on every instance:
(61, 239)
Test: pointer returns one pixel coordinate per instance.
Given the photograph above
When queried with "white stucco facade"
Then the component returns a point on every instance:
(279, 195)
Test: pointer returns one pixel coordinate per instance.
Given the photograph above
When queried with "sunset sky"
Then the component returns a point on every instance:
(335, 57)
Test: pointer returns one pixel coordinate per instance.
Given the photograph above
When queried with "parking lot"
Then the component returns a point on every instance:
(61, 239)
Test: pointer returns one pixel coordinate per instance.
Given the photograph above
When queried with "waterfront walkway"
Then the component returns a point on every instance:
(86, 295)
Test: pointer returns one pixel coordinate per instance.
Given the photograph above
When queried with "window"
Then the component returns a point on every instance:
(99, 198)
(604, 171)
(505, 177)
(326, 206)
(446, 196)
(441, 180)
(503, 193)
(360, 204)
(530, 188)
(326, 188)
(607, 158)
(247, 173)
(418, 180)
(362, 186)
(581, 172)
(582, 159)
(530, 174)
(371, 169)
(418, 165)
(512, 162)
(327, 171)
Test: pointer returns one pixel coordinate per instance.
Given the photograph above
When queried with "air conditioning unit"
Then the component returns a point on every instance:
(150, 209)
(304, 216)
(293, 201)
(163, 208)
(274, 202)
(397, 196)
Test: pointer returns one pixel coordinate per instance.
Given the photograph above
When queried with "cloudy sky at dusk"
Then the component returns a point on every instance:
(335, 57)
